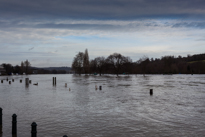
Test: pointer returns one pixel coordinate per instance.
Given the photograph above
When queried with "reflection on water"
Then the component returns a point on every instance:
(123, 108)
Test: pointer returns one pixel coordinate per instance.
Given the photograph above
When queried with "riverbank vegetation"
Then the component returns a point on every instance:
(119, 64)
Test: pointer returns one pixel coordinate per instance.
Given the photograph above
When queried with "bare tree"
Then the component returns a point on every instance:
(93, 65)
(77, 64)
(127, 65)
(144, 61)
(86, 62)
(116, 60)
(100, 64)
(22, 67)
(27, 66)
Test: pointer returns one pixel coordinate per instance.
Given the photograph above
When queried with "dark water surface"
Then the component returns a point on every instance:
(123, 108)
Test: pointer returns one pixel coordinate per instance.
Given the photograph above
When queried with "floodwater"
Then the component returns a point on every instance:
(123, 108)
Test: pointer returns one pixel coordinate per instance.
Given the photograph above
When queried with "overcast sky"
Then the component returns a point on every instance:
(50, 33)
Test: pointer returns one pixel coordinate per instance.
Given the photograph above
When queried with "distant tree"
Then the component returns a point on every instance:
(168, 61)
(22, 67)
(17, 69)
(144, 61)
(77, 64)
(54, 71)
(86, 62)
(116, 60)
(127, 65)
(27, 66)
(8, 68)
(93, 66)
(100, 64)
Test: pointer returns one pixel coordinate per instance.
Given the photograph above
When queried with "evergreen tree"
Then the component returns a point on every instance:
(86, 62)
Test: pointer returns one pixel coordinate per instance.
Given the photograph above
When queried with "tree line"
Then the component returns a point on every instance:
(119, 64)
(24, 68)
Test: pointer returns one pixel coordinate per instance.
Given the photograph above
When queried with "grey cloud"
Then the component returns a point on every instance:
(200, 25)
(200, 40)
(101, 9)
(103, 25)
(50, 14)
(75, 26)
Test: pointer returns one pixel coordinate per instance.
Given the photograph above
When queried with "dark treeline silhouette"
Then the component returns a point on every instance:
(25, 68)
(113, 64)
(119, 64)
(172, 65)
(46, 71)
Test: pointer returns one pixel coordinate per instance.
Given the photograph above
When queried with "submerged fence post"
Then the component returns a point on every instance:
(2, 81)
(7, 79)
(65, 136)
(33, 129)
(9, 82)
(27, 81)
(1, 120)
(1, 116)
(53, 80)
(100, 87)
(14, 124)
(151, 91)
(12, 80)
(30, 81)
(20, 81)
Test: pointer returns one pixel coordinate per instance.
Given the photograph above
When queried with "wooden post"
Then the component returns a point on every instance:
(27, 81)
(20, 81)
(1, 120)
(65, 136)
(65, 84)
(1, 116)
(7, 79)
(151, 92)
(100, 87)
(12, 80)
(9, 82)
(14, 124)
(53, 81)
(2, 81)
(33, 129)
(30, 81)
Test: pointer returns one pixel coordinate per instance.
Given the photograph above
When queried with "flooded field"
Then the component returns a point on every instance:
(123, 108)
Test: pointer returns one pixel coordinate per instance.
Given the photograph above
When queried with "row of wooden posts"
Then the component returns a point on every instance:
(14, 126)
(27, 82)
